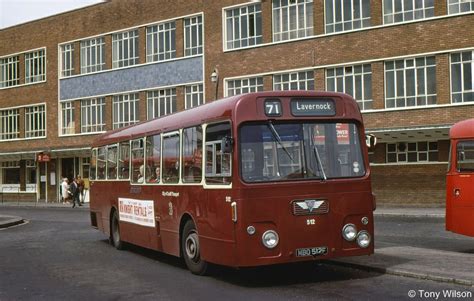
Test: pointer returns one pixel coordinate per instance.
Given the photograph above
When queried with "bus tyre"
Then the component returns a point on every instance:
(115, 239)
(191, 249)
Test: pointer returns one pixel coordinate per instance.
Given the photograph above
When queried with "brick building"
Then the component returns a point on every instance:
(69, 77)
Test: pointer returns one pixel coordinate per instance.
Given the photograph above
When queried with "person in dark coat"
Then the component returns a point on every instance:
(75, 193)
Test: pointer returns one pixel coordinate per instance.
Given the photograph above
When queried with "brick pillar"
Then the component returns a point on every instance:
(108, 113)
(141, 45)
(142, 113)
(21, 126)
(318, 19)
(441, 8)
(22, 175)
(376, 13)
(180, 98)
(77, 58)
(267, 21)
(442, 79)
(319, 80)
(378, 85)
(268, 83)
(179, 38)
(21, 70)
(108, 52)
(77, 116)
(380, 153)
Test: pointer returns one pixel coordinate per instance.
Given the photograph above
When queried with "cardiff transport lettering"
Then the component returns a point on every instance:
(313, 107)
(137, 212)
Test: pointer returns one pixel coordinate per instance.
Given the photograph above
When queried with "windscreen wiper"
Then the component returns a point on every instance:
(320, 164)
(278, 139)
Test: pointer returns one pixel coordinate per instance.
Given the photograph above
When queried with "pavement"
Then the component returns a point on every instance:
(420, 263)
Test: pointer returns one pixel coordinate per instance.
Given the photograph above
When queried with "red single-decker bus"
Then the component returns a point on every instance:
(254, 179)
(460, 179)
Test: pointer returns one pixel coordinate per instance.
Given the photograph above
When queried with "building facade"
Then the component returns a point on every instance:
(67, 78)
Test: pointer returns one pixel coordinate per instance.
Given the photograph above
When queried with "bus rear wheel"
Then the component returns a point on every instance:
(115, 239)
(191, 250)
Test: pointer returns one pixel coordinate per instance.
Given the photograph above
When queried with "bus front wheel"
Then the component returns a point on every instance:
(115, 232)
(191, 249)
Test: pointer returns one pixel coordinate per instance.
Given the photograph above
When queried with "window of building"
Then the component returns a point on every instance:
(192, 155)
(9, 124)
(412, 152)
(125, 110)
(294, 81)
(343, 15)
(161, 42)
(292, 19)
(161, 102)
(410, 82)
(138, 167)
(171, 158)
(9, 71)
(153, 156)
(243, 26)
(123, 165)
(460, 6)
(93, 54)
(353, 80)
(395, 11)
(245, 85)
(67, 60)
(218, 162)
(30, 175)
(93, 115)
(112, 156)
(35, 66)
(67, 118)
(35, 121)
(193, 36)
(85, 167)
(11, 173)
(194, 96)
(462, 77)
(125, 49)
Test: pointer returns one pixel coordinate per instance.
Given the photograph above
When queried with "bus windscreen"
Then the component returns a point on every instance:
(293, 151)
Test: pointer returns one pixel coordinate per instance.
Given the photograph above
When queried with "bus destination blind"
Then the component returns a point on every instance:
(313, 107)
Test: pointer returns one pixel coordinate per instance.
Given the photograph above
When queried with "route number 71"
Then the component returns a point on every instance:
(273, 108)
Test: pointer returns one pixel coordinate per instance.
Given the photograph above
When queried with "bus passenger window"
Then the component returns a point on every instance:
(153, 151)
(170, 166)
(124, 161)
(112, 162)
(465, 156)
(218, 161)
(101, 163)
(93, 165)
(192, 155)
(138, 167)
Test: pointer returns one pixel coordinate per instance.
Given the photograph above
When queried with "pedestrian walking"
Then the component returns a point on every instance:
(80, 186)
(75, 193)
(64, 190)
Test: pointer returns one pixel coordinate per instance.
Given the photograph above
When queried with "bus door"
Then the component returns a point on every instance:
(461, 188)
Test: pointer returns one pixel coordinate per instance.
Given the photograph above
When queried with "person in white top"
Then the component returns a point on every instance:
(64, 190)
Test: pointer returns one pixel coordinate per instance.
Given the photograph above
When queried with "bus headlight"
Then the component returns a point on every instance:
(349, 232)
(363, 239)
(270, 239)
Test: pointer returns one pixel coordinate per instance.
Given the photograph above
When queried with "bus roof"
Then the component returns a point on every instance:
(216, 110)
(462, 129)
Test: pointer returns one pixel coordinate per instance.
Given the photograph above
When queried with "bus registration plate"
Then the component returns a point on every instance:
(316, 251)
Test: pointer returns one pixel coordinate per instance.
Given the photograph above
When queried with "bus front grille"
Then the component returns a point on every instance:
(310, 207)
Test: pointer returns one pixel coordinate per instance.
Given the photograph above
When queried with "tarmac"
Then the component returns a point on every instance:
(419, 263)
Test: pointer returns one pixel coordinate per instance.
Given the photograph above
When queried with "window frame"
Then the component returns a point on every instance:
(35, 115)
(125, 105)
(9, 71)
(308, 81)
(125, 49)
(92, 55)
(236, 22)
(278, 29)
(158, 37)
(35, 66)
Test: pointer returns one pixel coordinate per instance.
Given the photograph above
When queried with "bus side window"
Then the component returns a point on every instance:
(93, 165)
(218, 155)
(101, 156)
(170, 157)
(465, 156)
(138, 167)
(112, 162)
(124, 161)
(192, 155)
(153, 155)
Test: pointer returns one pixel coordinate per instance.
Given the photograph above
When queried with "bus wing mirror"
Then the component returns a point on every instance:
(370, 140)
(227, 144)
